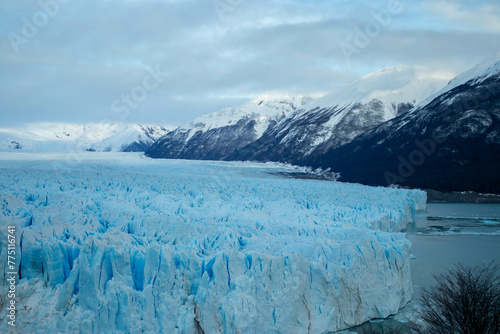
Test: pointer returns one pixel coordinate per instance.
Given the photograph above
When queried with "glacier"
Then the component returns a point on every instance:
(118, 243)
(73, 137)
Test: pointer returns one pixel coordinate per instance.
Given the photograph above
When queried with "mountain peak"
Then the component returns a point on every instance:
(482, 71)
(264, 107)
(295, 101)
(391, 85)
(488, 68)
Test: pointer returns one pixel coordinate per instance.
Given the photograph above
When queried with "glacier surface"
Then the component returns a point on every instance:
(116, 243)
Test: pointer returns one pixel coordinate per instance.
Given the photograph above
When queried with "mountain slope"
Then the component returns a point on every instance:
(215, 136)
(61, 137)
(134, 138)
(338, 118)
(450, 142)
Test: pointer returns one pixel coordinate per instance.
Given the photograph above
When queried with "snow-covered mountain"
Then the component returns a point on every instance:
(63, 137)
(217, 135)
(451, 141)
(338, 118)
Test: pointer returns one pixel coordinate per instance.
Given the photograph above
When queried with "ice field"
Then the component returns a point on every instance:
(117, 243)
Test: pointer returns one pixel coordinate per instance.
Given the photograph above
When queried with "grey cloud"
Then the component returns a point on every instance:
(91, 53)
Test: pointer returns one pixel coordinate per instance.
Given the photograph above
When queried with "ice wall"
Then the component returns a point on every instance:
(191, 247)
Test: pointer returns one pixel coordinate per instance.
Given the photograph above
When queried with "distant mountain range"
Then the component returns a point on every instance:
(338, 118)
(291, 129)
(219, 135)
(61, 137)
(449, 142)
(394, 126)
(397, 126)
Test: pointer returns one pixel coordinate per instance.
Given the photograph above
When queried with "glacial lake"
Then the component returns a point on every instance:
(444, 235)
(449, 233)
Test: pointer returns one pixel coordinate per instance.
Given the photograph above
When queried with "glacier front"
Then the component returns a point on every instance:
(116, 243)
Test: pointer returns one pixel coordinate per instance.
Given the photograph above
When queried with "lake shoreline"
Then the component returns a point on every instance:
(434, 196)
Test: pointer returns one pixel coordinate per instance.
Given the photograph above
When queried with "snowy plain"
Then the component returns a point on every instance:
(118, 243)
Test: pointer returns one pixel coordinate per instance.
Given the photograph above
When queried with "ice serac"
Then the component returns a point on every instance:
(200, 247)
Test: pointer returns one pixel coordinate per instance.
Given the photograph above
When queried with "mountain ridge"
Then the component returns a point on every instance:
(305, 126)
(207, 137)
(449, 142)
(336, 119)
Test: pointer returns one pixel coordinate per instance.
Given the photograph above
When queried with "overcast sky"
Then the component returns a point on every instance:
(168, 61)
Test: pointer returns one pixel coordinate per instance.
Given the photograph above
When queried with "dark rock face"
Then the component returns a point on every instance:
(303, 136)
(214, 144)
(219, 135)
(450, 144)
(434, 196)
(16, 145)
(140, 146)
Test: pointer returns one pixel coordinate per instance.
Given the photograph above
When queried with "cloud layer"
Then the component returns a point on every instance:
(71, 61)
